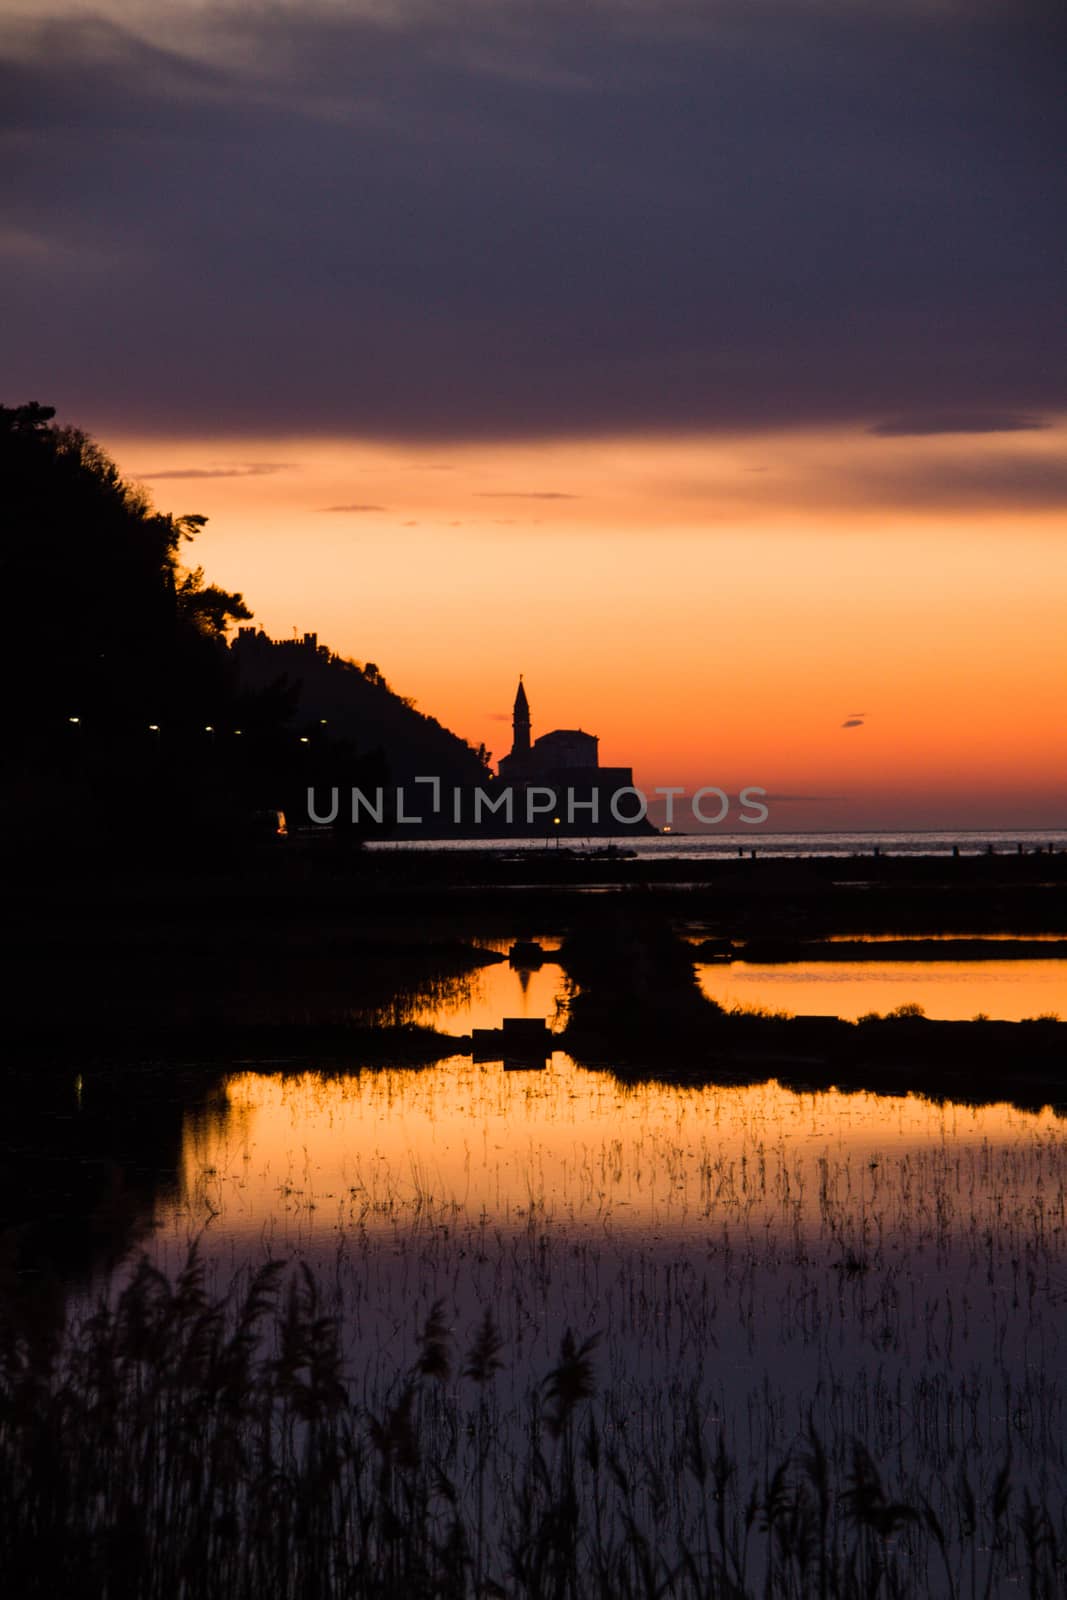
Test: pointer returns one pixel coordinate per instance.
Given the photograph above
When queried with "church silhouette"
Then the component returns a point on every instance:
(566, 760)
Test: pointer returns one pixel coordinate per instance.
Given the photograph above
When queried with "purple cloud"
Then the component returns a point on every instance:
(247, 469)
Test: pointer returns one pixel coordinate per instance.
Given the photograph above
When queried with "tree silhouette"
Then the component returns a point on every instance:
(102, 621)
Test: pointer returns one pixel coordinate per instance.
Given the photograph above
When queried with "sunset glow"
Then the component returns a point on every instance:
(702, 363)
(714, 609)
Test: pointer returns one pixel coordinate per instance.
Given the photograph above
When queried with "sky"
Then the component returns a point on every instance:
(703, 362)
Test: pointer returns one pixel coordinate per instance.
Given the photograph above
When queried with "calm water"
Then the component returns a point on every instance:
(895, 1268)
(884, 1269)
(887, 1269)
(947, 990)
(499, 991)
(299, 1161)
(684, 847)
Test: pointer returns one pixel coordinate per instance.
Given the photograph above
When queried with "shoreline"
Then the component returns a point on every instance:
(973, 1063)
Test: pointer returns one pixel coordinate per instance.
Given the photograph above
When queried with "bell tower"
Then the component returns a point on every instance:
(520, 722)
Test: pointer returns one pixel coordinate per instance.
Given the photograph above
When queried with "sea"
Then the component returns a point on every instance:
(697, 846)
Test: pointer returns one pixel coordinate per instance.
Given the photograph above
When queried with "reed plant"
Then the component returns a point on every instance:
(178, 1441)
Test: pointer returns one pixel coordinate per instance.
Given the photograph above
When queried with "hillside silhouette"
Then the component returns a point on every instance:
(132, 722)
(343, 700)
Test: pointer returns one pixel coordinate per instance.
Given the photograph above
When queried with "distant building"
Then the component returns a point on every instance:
(254, 640)
(564, 749)
(567, 761)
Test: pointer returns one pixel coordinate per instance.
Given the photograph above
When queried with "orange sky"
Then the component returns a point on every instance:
(714, 609)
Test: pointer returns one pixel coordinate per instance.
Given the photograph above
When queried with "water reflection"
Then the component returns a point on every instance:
(893, 1267)
(300, 1161)
(766, 1261)
(495, 992)
(948, 990)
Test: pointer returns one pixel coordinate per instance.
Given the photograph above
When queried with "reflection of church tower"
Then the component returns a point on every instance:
(520, 722)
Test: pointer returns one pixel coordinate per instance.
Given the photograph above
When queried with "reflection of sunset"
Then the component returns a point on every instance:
(306, 1159)
(492, 993)
(797, 578)
(948, 990)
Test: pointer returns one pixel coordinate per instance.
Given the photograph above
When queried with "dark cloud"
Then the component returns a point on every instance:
(355, 507)
(524, 494)
(981, 478)
(249, 469)
(485, 221)
(969, 422)
(953, 477)
(853, 722)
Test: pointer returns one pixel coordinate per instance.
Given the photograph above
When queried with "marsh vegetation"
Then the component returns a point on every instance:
(739, 1343)
(844, 1377)
(431, 1328)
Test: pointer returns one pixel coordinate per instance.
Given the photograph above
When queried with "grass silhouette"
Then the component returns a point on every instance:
(179, 1443)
